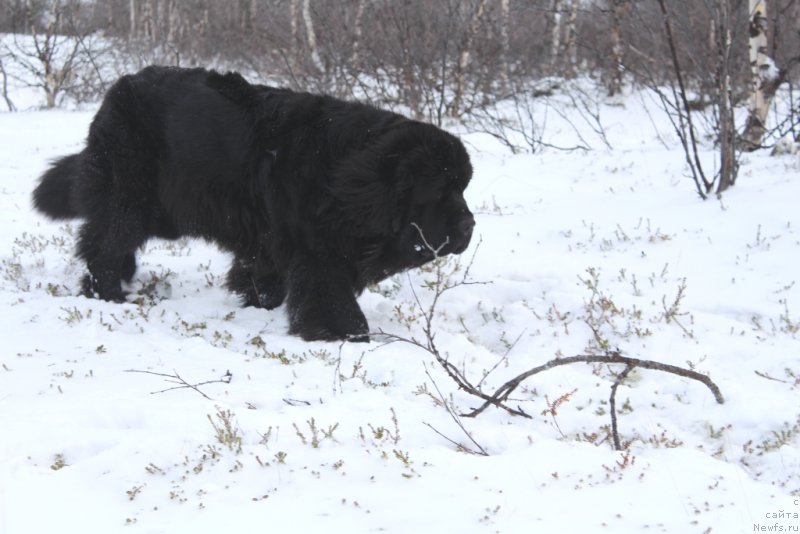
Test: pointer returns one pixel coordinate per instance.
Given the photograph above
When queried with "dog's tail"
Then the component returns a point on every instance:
(54, 196)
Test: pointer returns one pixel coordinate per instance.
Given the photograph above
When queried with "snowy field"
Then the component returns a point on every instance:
(579, 252)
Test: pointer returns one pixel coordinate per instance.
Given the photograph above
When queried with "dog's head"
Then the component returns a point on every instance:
(431, 218)
(406, 199)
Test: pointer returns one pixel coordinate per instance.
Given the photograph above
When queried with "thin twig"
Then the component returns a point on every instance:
(768, 377)
(453, 372)
(428, 245)
(502, 359)
(457, 420)
(177, 379)
(296, 402)
(89, 54)
(612, 405)
(501, 396)
(459, 446)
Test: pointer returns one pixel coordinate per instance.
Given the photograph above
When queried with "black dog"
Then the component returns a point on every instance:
(315, 197)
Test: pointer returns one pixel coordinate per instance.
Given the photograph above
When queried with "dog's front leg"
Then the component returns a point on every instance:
(321, 301)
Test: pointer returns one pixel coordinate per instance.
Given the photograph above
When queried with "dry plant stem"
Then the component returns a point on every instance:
(458, 445)
(481, 451)
(177, 379)
(503, 359)
(504, 391)
(612, 404)
(296, 402)
(768, 377)
(455, 374)
(436, 250)
(500, 397)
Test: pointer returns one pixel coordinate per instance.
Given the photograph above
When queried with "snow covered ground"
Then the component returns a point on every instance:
(311, 437)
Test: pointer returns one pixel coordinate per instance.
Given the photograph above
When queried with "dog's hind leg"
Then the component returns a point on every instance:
(128, 267)
(107, 242)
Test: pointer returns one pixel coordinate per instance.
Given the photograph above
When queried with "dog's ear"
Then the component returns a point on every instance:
(361, 195)
(400, 186)
(371, 186)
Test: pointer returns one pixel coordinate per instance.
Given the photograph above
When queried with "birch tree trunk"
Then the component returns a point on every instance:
(505, 43)
(572, 39)
(763, 72)
(252, 15)
(294, 30)
(134, 20)
(358, 30)
(147, 26)
(729, 165)
(618, 11)
(464, 58)
(311, 37)
(555, 36)
(247, 7)
(175, 25)
(206, 24)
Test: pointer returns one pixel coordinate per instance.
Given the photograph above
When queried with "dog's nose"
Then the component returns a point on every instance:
(464, 228)
(466, 224)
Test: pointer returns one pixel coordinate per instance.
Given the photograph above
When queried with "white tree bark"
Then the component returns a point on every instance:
(134, 20)
(358, 30)
(763, 73)
(174, 22)
(293, 21)
(147, 23)
(618, 10)
(555, 35)
(505, 44)
(311, 37)
(253, 14)
(464, 57)
(572, 38)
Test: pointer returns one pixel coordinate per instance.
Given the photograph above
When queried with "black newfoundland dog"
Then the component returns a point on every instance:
(315, 197)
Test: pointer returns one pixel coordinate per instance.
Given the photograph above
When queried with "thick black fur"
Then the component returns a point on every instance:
(315, 197)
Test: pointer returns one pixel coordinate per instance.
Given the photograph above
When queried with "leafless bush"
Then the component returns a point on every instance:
(4, 87)
(56, 56)
(520, 121)
(448, 276)
(479, 61)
